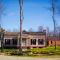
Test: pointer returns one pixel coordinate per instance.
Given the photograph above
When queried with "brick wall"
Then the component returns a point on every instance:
(52, 42)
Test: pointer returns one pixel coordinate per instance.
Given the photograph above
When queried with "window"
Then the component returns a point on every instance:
(14, 41)
(51, 42)
(0, 36)
(33, 41)
(40, 41)
(7, 41)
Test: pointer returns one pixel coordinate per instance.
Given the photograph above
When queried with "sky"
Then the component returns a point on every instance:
(36, 13)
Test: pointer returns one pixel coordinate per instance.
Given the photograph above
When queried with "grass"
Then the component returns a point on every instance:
(47, 51)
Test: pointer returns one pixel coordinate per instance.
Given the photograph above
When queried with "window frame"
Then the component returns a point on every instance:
(33, 41)
(40, 41)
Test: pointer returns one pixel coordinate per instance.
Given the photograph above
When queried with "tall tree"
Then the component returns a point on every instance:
(21, 19)
(54, 9)
(1, 30)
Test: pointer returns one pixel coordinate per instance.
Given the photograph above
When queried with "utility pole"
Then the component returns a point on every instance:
(21, 19)
(54, 21)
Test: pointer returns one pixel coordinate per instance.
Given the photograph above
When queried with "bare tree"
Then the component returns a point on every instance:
(54, 9)
(47, 31)
(1, 29)
(31, 30)
(40, 29)
(21, 19)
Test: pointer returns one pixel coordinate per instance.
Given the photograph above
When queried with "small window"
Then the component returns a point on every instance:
(40, 41)
(33, 41)
(7, 41)
(14, 41)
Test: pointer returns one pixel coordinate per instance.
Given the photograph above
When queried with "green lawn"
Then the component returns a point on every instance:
(47, 51)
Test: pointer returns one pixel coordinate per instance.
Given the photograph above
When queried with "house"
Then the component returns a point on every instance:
(29, 39)
(52, 41)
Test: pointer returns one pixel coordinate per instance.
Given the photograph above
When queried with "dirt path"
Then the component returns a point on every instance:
(2, 57)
